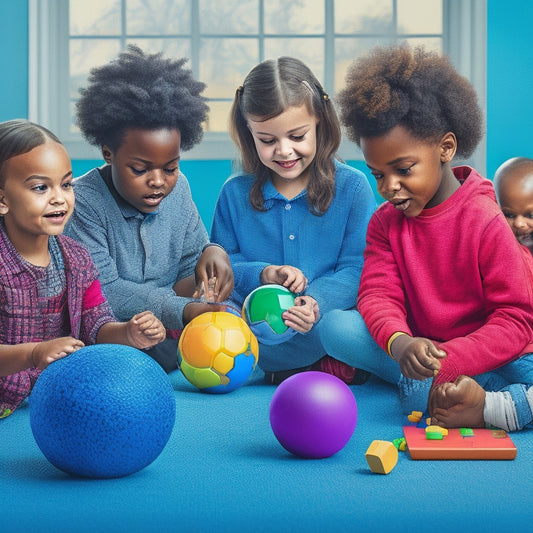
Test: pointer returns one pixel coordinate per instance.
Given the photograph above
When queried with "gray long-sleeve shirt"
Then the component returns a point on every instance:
(139, 256)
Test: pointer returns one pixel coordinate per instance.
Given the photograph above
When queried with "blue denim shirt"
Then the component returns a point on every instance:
(328, 248)
(139, 256)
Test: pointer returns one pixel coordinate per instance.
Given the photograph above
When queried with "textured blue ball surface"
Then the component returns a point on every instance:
(104, 411)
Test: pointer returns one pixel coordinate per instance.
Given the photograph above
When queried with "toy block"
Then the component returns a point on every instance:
(381, 456)
(436, 432)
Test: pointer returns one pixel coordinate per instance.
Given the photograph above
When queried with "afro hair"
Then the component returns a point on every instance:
(141, 91)
(413, 88)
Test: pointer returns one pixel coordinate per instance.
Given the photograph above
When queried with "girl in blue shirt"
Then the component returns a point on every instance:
(296, 216)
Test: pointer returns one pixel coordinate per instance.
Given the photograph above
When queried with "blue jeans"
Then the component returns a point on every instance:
(344, 336)
(298, 351)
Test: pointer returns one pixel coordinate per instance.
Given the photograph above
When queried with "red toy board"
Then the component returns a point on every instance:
(484, 444)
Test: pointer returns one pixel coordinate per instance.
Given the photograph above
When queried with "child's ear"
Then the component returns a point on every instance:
(3, 206)
(107, 154)
(448, 147)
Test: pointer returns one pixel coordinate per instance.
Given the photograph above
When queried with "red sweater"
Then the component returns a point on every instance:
(455, 274)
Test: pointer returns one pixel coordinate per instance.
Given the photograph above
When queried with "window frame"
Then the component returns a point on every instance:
(464, 40)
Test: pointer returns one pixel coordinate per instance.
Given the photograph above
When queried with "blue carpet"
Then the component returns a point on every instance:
(223, 470)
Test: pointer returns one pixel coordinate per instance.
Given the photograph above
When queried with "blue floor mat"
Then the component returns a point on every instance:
(223, 470)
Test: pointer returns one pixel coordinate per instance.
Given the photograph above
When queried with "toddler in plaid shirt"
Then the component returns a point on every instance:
(51, 302)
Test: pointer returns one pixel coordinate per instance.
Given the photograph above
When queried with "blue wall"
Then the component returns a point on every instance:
(14, 59)
(509, 89)
(510, 81)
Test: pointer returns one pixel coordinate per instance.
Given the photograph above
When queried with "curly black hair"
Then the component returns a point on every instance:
(143, 91)
(414, 88)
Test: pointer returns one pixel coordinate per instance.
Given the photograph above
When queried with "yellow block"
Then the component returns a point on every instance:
(381, 456)
(436, 432)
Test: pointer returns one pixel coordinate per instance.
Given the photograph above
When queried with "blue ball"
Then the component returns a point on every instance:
(104, 411)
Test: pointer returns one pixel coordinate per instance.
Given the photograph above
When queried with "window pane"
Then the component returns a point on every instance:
(158, 17)
(218, 116)
(309, 50)
(297, 17)
(174, 48)
(419, 16)
(348, 49)
(430, 43)
(99, 17)
(229, 17)
(224, 63)
(363, 16)
(86, 54)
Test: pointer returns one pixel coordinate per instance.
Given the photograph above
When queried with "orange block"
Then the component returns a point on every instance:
(381, 456)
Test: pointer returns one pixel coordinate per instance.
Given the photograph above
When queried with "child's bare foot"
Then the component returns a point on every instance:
(457, 404)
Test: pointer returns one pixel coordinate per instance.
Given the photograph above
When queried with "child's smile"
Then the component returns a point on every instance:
(286, 144)
(36, 198)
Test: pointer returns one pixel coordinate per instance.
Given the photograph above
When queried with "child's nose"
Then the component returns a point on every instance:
(390, 185)
(521, 222)
(284, 147)
(59, 197)
(156, 178)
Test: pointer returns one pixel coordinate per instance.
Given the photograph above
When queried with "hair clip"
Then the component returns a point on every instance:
(323, 94)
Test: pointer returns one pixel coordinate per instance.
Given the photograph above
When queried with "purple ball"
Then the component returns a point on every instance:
(313, 414)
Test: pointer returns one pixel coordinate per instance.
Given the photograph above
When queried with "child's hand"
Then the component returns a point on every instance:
(193, 309)
(47, 352)
(213, 270)
(303, 315)
(144, 330)
(286, 275)
(419, 358)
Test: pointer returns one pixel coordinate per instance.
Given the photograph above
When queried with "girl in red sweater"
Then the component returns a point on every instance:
(446, 290)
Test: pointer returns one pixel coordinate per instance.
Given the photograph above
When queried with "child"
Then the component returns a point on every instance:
(513, 182)
(51, 303)
(445, 290)
(135, 214)
(296, 216)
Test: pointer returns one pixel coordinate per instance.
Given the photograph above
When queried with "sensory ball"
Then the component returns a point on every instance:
(217, 352)
(105, 411)
(313, 414)
(262, 310)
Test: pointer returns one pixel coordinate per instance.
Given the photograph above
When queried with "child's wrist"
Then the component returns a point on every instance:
(206, 246)
(392, 338)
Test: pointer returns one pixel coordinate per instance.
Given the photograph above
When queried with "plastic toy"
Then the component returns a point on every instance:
(217, 352)
(262, 310)
(436, 432)
(313, 414)
(400, 444)
(415, 416)
(104, 411)
(480, 444)
(381, 456)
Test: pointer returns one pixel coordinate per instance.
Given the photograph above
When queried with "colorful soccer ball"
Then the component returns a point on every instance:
(262, 310)
(217, 351)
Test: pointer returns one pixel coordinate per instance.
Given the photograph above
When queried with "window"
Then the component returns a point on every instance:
(225, 39)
